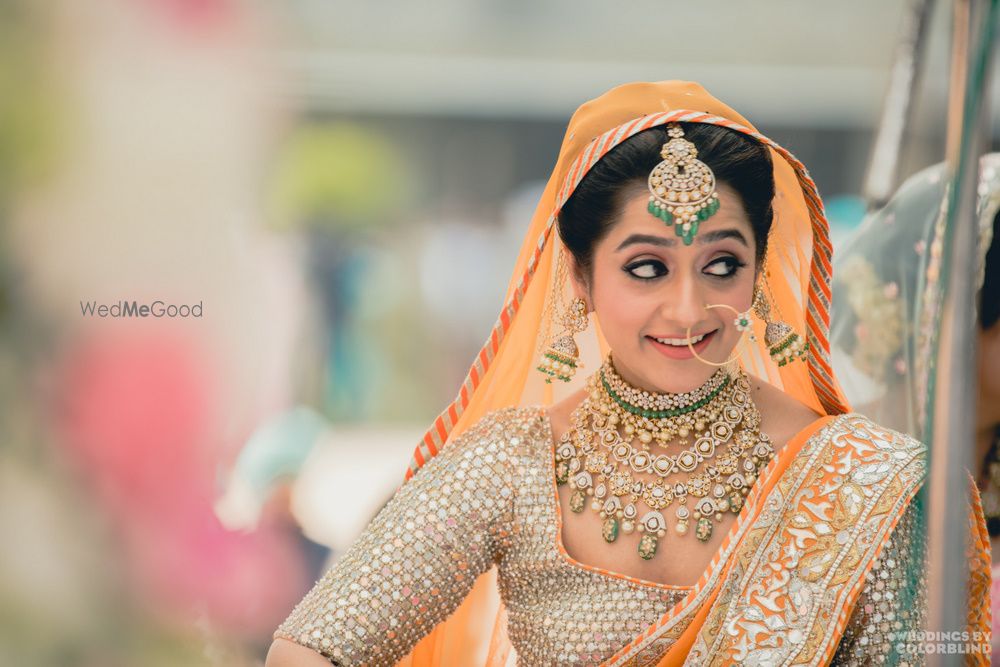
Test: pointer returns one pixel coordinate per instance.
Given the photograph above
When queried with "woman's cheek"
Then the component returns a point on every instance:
(622, 314)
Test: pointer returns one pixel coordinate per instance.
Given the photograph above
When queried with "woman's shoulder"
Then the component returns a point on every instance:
(512, 418)
(492, 446)
(783, 417)
(866, 450)
(862, 428)
(509, 430)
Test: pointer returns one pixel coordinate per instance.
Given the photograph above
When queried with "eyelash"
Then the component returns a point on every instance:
(734, 265)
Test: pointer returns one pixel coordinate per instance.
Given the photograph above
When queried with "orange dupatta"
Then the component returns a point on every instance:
(798, 277)
(789, 582)
(762, 489)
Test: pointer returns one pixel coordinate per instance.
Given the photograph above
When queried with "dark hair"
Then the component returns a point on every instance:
(989, 296)
(594, 207)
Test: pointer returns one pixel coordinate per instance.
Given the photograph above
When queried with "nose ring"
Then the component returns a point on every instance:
(743, 324)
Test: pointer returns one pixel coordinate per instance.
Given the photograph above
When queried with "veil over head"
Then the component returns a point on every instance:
(797, 272)
(888, 292)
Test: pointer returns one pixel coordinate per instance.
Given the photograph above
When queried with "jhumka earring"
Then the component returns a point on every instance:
(562, 357)
(783, 344)
(682, 187)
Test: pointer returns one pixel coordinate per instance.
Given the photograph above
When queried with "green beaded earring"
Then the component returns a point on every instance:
(783, 343)
(682, 187)
(562, 357)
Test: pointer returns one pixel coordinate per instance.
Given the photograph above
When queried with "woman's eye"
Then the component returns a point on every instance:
(647, 269)
(724, 267)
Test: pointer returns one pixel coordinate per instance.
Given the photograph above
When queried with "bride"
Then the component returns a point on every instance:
(703, 495)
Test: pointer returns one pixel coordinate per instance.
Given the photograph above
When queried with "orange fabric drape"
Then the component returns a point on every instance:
(502, 373)
(798, 264)
(676, 656)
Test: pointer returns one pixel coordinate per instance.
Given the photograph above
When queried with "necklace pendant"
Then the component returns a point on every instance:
(562, 472)
(610, 529)
(703, 530)
(647, 545)
(578, 501)
(683, 515)
(735, 501)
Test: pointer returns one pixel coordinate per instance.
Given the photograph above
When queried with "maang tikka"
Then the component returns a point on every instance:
(682, 187)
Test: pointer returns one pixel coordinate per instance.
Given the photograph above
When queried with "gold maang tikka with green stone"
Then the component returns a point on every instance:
(682, 187)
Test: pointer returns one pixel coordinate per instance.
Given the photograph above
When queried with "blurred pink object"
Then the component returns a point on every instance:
(136, 409)
(139, 412)
(197, 15)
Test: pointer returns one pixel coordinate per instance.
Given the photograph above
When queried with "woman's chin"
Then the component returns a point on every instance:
(677, 377)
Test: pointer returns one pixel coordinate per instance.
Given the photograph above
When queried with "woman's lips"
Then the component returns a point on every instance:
(682, 351)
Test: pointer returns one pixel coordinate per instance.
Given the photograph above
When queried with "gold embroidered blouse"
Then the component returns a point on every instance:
(489, 498)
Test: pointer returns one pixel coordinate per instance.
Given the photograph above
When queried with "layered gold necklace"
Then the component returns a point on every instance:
(610, 441)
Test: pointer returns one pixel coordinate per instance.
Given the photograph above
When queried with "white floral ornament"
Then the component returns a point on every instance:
(743, 321)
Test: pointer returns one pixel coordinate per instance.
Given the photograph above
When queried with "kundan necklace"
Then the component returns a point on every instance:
(609, 442)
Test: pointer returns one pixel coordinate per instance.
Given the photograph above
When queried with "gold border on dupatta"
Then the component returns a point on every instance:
(801, 564)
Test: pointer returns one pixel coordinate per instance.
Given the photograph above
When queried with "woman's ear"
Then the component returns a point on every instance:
(578, 281)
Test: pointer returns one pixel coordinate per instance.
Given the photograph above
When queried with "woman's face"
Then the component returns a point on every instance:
(648, 285)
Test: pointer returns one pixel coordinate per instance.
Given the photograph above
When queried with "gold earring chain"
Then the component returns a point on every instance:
(553, 301)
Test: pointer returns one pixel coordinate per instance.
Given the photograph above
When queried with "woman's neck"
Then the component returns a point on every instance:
(635, 392)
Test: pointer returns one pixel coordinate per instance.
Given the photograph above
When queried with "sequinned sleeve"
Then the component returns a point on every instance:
(892, 603)
(418, 558)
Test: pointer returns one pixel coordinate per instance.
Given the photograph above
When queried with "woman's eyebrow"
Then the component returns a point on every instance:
(646, 238)
(707, 237)
(719, 234)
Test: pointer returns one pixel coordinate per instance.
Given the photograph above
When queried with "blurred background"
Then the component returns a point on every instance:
(325, 199)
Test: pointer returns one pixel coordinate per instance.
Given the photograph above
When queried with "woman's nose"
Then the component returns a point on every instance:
(684, 304)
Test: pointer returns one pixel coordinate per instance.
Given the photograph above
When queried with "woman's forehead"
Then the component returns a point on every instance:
(635, 218)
